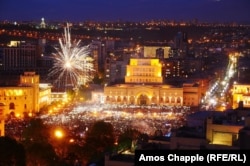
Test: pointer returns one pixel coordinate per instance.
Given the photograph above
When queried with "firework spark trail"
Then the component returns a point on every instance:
(70, 63)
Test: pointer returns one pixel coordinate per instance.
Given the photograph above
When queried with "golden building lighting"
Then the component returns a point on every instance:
(241, 93)
(144, 86)
(29, 96)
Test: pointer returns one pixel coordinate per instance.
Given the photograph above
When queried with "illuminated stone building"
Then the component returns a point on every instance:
(96, 52)
(2, 114)
(143, 86)
(28, 97)
(192, 93)
(241, 93)
(144, 71)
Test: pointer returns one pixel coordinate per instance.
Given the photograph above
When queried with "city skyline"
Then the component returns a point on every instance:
(129, 10)
(176, 80)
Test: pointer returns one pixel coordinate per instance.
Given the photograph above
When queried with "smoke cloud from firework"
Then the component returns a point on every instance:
(71, 64)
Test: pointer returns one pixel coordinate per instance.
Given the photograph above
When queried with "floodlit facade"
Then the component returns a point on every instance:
(241, 93)
(59, 96)
(144, 86)
(2, 113)
(143, 94)
(144, 71)
(222, 134)
(28, 97)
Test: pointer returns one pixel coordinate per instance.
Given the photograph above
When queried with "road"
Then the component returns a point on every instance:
(216, 96)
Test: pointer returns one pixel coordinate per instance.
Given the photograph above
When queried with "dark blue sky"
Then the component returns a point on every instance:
(126, 10)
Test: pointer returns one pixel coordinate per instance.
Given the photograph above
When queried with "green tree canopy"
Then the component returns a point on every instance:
(36, 131)
(99, 139)
(126, 138)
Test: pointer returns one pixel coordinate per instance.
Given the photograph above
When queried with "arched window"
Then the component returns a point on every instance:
(153, 100)
(142, 99)
(172, 100)
(132, 100)
(118, 99)
(124, 98)
(12, 106)
(178, 100)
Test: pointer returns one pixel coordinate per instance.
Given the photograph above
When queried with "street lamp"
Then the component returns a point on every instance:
(58, 133)
(59, 142)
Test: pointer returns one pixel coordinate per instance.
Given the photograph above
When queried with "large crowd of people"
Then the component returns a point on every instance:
(77, 119)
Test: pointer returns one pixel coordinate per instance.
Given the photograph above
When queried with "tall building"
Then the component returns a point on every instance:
(172, 68)
(99, 51)
(115, 71)
(19, 56)
(96, 52)
(181, 40)
(115, 64)
(180, 44)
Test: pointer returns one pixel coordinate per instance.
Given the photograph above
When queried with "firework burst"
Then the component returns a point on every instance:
(72, 65)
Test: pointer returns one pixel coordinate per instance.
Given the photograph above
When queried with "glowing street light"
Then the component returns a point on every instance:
(58, 133)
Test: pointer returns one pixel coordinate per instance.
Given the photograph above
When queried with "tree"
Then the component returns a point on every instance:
(126, 138)
(39, 151)
(41, 154)
(99, 139)
(74, 154)
(36, 131)
(11, 152)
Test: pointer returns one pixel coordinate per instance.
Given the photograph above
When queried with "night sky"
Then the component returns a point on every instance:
(126, 10)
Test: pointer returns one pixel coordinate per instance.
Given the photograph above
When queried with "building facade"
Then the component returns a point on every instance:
(2, 117)
(143, 94)
(144, 71)
(19, 56)
(27, 97)
(241, 93)
(144, 86)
